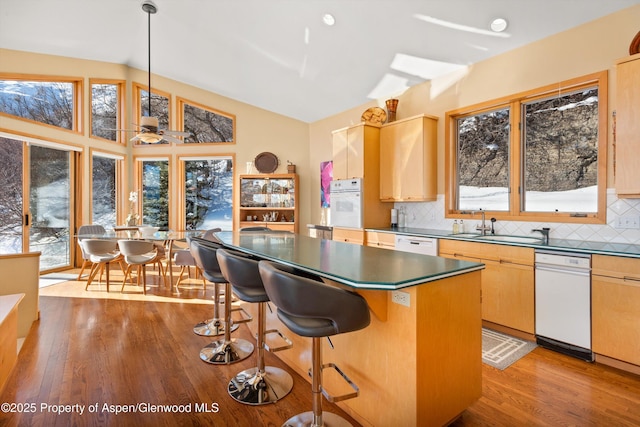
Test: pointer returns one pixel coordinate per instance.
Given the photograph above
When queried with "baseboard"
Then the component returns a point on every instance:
(564, 348)
(509, 331)
(618, 364)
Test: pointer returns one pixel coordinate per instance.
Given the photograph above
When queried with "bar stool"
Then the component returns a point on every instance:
(226, 350)
(314, 309)
(261, 384)
(207, 262)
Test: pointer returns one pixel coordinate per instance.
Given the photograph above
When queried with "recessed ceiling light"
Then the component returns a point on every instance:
(498, 25)
(328, 19)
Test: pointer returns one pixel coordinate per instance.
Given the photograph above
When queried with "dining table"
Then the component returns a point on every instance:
(168, 238)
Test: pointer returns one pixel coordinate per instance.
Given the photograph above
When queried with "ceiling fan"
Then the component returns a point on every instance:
(149, 132)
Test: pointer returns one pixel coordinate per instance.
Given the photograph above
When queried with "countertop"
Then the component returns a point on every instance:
(358, 266)
(580, 246)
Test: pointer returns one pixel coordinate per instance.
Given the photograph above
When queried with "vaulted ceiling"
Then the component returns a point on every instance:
(279, 54)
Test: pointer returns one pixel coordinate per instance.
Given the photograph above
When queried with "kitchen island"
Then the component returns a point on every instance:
(416, 365)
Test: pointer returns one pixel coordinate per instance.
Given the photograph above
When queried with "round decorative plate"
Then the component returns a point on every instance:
(374, 116)
(266, 162)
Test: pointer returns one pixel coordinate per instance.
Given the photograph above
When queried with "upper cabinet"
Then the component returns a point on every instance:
(355, 151)
(408, 172)
(627, 166)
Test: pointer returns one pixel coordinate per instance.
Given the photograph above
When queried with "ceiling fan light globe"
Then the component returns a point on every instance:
(150, 138)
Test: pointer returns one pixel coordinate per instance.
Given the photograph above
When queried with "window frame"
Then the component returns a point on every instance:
(516, 147)
(137, 110)
(181, 191)
(121, 109)
(119, 177)
(78, 97)
(139, 182)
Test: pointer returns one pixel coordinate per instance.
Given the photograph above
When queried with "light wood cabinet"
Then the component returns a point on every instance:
(627, 165)
(269, 201)
(408, 172)
(615, 307)
(507, 280)
(349, 235)
(355, 151)
(380, 240)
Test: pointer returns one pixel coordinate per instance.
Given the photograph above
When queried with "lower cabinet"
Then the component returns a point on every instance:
(507, 281)
(380, 240)
(349, 235)
(615, 307)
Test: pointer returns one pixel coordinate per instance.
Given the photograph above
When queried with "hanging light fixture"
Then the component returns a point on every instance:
(149, 124)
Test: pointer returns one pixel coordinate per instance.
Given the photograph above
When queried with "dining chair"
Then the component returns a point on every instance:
(101, 253)
(139, 253)
(184, 259)
(83, 230)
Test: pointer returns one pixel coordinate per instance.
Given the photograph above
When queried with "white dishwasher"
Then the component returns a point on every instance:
(563, 302)
(417, 244)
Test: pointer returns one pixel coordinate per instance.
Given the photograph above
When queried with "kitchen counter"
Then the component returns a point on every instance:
(365, 267)
(581, 246)
(418, 363)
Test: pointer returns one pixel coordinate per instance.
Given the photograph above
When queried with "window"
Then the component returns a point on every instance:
(208, 192)
(160, 107)
(104, 182)
(54, 103)
(531, 156)
(205, 124)
(106, 114)
(154, 174)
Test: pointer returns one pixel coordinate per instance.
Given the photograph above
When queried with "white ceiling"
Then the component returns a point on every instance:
(278, 54)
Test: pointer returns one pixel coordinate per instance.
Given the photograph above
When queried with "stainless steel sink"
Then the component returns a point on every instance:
(512, 239)
(466, 235)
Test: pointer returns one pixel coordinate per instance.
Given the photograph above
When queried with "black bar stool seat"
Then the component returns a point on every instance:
(311, 308)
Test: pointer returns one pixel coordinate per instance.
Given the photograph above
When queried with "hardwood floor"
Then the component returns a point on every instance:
(90, 347)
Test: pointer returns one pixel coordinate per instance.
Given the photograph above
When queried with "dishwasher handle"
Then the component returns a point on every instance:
(566, 270)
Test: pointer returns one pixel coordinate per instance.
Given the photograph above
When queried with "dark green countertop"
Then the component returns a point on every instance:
(354, 265)
(582, 246)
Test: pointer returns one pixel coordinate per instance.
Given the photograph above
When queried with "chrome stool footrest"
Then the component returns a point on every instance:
(246, 317)
(331, 398)
(288, 342)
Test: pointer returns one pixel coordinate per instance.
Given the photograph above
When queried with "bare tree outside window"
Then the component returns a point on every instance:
(50, 103)
(207, 125)
(104, 191)
(208, 193)
(104, 110)
(11, 198)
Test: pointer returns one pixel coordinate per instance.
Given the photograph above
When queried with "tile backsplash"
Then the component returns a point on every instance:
(431, 215)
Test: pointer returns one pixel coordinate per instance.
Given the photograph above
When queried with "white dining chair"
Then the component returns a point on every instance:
(85, 230)
(139, 253)
(100, 253)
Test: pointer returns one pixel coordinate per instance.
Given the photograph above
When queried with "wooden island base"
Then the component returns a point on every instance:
(421, 366)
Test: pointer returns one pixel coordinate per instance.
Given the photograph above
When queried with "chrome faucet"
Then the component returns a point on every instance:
(545, 234)
(483, 228)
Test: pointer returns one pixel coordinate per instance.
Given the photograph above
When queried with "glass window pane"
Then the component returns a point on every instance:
(483, 161)
(561, 153)
(11, 201)
(155, 193)
(104, 111)
(159, 109)
(208, 194)
(103, 192)
(50, 103)
(206, 125)
(50, 206)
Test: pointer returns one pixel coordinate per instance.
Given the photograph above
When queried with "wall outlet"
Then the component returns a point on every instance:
(630, 221)
(402, 298)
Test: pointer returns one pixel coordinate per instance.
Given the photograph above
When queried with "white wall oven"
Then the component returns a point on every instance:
(346, 203)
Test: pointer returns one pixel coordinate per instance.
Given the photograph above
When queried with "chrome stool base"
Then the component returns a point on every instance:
(212, 328)
(222, 352)
(257, 388)
(307, 419)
